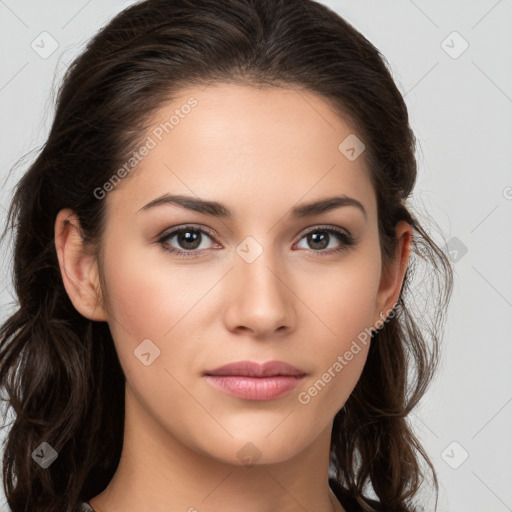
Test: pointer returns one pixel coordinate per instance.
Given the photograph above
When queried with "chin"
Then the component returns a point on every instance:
(258, 451)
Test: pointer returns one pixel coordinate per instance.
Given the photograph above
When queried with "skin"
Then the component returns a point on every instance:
(259, 152)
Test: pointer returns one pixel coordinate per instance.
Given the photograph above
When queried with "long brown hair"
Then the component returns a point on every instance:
(60, 370)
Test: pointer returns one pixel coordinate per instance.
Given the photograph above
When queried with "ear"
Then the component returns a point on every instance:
(392, 277)
(79, 269)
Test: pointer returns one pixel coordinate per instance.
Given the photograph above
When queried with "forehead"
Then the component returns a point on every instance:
(250, 145)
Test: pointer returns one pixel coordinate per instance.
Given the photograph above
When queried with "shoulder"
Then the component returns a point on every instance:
(348, 501)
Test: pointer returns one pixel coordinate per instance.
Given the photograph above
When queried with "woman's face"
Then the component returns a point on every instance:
(252, 285)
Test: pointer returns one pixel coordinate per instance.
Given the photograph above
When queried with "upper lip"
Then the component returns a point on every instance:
(253, 369)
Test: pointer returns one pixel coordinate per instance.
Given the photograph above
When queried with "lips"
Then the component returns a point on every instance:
(253, 369)
(248, 380)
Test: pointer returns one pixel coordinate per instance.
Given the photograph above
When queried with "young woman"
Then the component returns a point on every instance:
(213, 258)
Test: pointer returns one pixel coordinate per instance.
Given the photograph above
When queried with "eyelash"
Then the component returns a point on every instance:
(347, 241)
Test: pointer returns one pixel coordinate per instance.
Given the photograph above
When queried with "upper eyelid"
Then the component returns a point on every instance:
(173, 231)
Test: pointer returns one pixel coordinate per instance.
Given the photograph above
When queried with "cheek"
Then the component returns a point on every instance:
(339, 355)
(344, 301)
(344, 297)
(151, 300)
(136, 301)
(146, 297)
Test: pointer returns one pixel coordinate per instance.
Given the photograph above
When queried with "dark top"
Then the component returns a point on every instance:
(349, 503)
(82, 506)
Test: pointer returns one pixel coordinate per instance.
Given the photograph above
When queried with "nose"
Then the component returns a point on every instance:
(260, 298)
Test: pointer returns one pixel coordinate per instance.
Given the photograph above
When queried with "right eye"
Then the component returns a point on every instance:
(188, 238)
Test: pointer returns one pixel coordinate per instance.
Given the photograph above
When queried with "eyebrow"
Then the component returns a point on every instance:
(219, 210)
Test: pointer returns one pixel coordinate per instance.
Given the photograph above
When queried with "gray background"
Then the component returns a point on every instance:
(460, 104)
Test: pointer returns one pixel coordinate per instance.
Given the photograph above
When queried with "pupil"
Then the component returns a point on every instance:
(189, 237)
(321, 238)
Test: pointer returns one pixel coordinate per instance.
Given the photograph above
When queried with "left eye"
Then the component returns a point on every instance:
(320, 239)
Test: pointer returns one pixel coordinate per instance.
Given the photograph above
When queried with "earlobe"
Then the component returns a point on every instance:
(391, 282)
(78, 268)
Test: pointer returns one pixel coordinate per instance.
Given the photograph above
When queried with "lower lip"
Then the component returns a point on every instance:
(255, 388)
